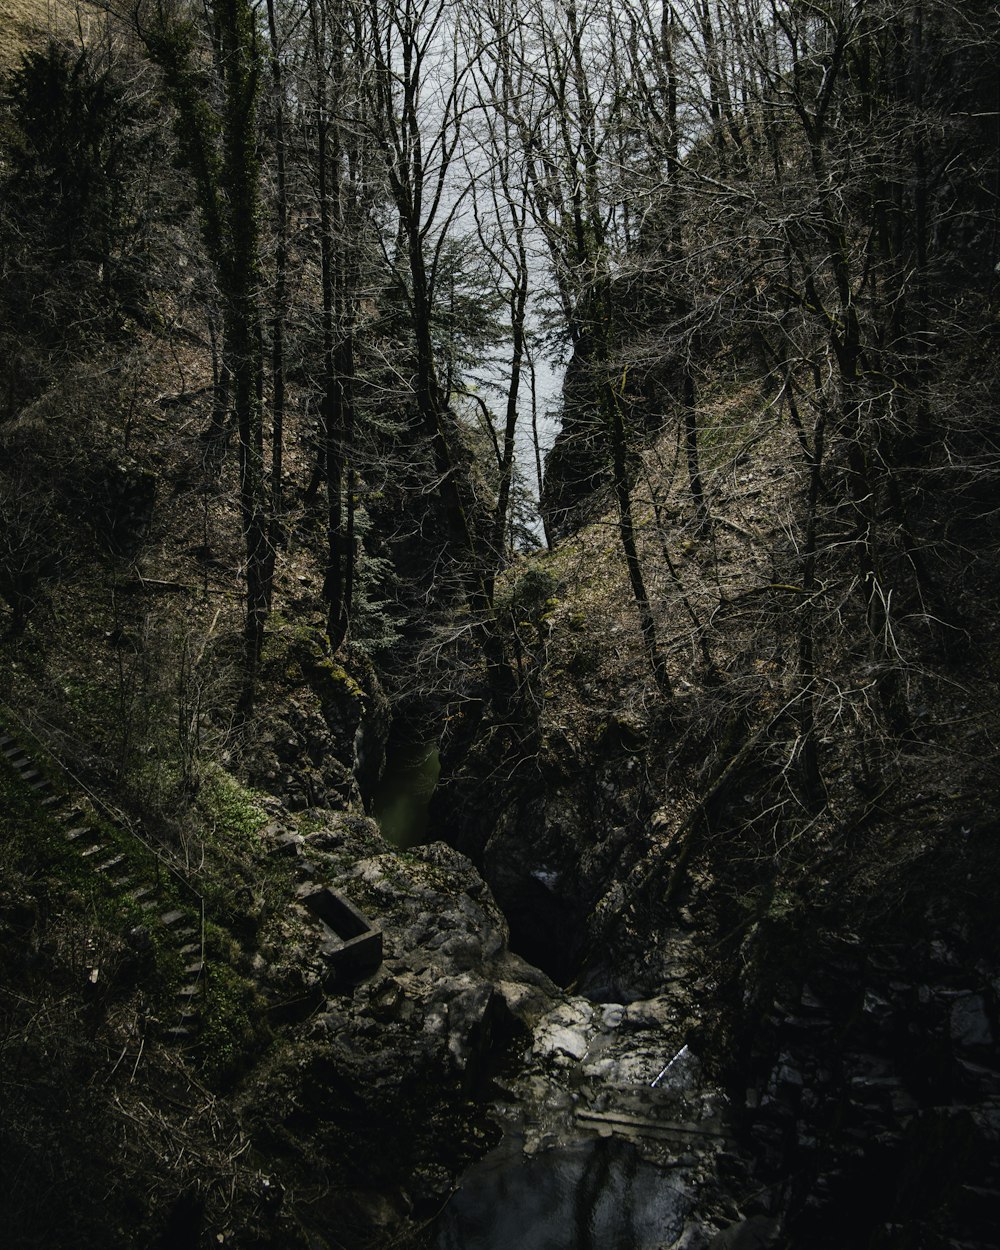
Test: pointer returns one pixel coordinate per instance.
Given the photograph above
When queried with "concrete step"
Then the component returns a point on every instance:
(191, 948)
(113, 862)
(97, 849)
(6, 740)
(119, 883)
(42, 783)
(648, 1126)
(189, 991)
(197, 967)
(644, 1100)
(143, 892)
(53, 800)
(187, 932)
(14, 752)
(169, 918)
(73, 834)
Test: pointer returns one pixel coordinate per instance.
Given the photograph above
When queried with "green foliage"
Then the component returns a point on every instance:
(467, 309)
(233, 1030)
(174, 48)
(239, 881)
(230, 810)
(373, 629)
(76, 196)
(533, 594)
(217, 146)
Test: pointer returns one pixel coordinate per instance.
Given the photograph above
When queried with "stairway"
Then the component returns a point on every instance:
(182, 925)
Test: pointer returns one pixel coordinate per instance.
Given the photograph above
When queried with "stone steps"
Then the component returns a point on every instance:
(179, 924)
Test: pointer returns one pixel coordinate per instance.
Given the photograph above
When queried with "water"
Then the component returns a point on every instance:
(402, 797)
(594, 1195)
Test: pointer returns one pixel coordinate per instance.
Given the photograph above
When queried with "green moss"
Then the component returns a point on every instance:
(338, 678)
(534, 593)
(234, 1030)
(231, 810)
(303, 651)
(34, 851)
(240, 882)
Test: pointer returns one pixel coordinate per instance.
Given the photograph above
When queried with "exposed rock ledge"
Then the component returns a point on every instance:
(389, 1089)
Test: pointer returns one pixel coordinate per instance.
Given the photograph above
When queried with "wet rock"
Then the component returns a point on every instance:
(287, 844)
(970, 1025)
(564, 1033)
(752, 1234)
(786, 1078)
(400, 1054)
(323, 746)
(530, 995)
(593, 1192)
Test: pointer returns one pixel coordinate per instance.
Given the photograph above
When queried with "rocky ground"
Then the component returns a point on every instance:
(454, 1045)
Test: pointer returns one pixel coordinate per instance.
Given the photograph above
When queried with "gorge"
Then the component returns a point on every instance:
(394, 856)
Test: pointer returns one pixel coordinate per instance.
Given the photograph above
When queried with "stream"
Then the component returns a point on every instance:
(584, 1193)
(589, 1195)
(401, 800)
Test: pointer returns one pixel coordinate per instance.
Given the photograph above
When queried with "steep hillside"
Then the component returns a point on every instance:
(701, 950)
(28, 23)
(833, 958)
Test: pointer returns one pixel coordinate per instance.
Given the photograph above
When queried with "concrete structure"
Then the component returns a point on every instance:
(351, 944)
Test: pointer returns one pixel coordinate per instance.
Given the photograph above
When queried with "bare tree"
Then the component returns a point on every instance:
(563, 71)
(219, 145)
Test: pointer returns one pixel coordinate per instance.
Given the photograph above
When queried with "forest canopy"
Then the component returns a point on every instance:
(380, 218)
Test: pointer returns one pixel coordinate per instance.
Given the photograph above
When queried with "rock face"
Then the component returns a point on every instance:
(613, 1135)
(863, 1051)
(400, 1081)
(875, 1094)
(807, 1077)
(552, 848)
(323, 744)
(381, 1080)
(578, 464)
